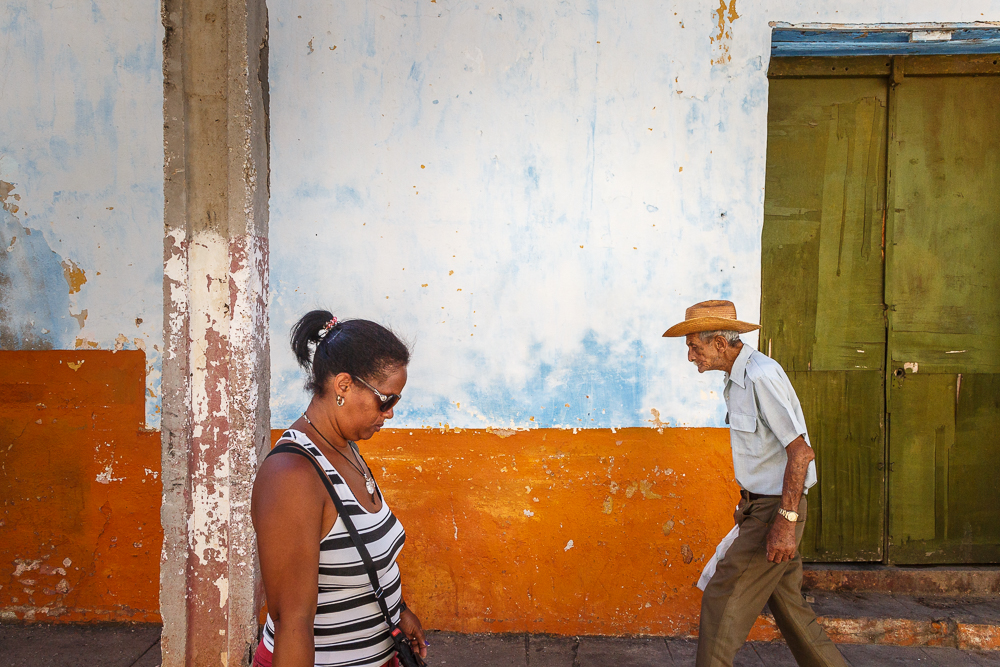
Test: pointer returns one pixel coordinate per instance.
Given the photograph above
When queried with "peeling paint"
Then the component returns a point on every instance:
(33, 310)
(222, 583)
(103, 502)
(686, 554)
(75, 276)
(646, 489)
(725, 17)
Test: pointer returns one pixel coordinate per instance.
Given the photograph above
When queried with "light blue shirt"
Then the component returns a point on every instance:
(764, 417)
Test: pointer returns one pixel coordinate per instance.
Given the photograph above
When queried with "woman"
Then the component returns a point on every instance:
(321, 607)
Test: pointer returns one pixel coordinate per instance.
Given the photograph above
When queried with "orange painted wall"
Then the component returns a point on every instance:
(489, 521)
(80, 492)
(489, 516)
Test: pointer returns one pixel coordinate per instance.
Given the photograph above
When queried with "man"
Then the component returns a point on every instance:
(774, 467)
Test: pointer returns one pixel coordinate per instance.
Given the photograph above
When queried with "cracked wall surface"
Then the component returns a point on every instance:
(79, 489)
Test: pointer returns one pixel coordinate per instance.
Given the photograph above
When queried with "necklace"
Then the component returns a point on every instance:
(369, 480)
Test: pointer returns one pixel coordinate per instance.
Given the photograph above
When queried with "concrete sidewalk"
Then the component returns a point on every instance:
(138, 646)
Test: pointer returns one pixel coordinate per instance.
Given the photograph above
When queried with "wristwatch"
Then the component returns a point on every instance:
(788, 514)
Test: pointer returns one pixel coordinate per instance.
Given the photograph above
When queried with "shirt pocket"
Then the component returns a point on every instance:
(742, 422)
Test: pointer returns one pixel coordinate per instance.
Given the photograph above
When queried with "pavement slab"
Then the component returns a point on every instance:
(867, 655)
(551, 651)
(39, 645)
(455, 650)
(622, 652)
(682, 651)
(771, 654)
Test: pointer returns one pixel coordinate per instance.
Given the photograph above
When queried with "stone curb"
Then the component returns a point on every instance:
(943, 581)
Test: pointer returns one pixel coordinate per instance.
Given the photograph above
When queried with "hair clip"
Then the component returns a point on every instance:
(327, 327)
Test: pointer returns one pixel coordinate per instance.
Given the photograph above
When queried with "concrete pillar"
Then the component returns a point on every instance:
(216, 360)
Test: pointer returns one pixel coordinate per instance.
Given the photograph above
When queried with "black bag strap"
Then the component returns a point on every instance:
(290, 447)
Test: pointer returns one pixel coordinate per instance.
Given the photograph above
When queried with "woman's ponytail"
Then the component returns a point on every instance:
(326, 347)
(306, 333)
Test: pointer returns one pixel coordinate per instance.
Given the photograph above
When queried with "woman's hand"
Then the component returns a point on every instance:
(410, 625)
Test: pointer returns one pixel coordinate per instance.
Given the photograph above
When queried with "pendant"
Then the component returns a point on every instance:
(370, 485)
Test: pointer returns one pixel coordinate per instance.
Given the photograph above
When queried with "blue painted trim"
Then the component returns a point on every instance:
(788, 42)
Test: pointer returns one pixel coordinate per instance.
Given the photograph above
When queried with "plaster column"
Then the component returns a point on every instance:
(215, 422)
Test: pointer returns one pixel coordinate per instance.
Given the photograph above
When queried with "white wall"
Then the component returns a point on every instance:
(530, 192)
(81, 158)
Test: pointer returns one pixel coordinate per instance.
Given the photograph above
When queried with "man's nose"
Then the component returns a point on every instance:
(690, 354)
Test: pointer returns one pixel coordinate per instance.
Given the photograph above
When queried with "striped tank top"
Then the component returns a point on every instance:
(350, 629)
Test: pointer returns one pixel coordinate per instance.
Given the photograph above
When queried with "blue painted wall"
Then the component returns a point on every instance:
(530, 192)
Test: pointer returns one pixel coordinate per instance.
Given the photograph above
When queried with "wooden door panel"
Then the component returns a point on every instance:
(821, 307)
(823, 211)
(943, 485)
(943, 274)
(844, 413)
(974, 496)
(922, 436)
(943, 287)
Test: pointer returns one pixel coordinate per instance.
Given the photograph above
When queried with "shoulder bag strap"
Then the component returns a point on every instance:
(294, 448)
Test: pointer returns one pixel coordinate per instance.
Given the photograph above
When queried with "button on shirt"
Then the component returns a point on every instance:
(764, 417)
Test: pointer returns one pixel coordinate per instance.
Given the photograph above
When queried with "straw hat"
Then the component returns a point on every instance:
(709, 316)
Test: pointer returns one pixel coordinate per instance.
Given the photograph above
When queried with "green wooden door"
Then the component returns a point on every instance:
(822, 295)
(943, 287)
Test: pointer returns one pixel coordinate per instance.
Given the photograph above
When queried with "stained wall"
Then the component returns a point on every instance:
(81, 283)
(79, 488)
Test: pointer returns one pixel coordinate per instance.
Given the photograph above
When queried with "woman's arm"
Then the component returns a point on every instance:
(287, 508)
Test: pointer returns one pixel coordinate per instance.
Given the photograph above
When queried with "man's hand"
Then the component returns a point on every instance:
(781, 540)
(781, 537)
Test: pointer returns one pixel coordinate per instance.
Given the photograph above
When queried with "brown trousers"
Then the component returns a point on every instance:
(744, 580)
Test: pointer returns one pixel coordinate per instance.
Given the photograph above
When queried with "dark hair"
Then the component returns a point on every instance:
(361, 348)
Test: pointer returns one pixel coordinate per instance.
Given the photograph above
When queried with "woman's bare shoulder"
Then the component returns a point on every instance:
(289, 476)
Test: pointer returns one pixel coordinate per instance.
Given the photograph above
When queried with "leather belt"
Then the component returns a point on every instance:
(754, 496)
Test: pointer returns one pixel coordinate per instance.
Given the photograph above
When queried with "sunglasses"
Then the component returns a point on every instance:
(387, 402)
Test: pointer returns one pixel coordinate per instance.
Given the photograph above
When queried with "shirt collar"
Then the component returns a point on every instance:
(739, 372)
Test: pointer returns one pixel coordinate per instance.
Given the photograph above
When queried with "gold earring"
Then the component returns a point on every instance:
(340, 400)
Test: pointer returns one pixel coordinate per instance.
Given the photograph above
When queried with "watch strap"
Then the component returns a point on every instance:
(788, 514)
